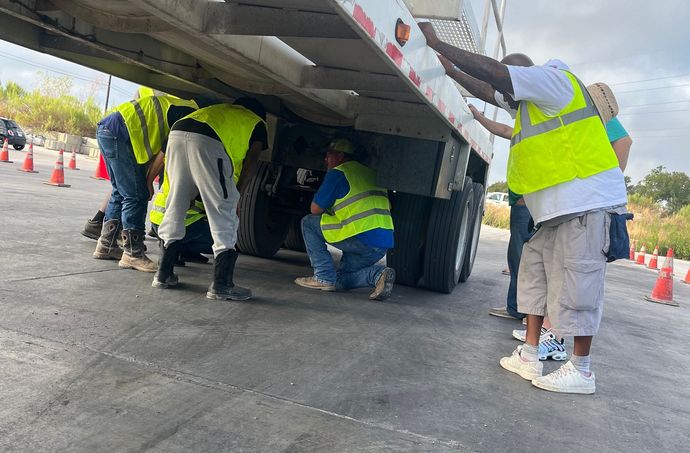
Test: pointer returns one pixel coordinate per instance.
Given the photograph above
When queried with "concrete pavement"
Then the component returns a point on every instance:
(94, 359)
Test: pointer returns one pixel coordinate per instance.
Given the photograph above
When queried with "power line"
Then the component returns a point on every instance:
(653, 111)
(648, 80)
(652, 89)
(657, 103)
(46, 68)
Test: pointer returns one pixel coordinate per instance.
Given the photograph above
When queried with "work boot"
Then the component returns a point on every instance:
(92, 229)
(107, 248)
(384, 285)
(165, 277)
(223, 288)
(134, 257)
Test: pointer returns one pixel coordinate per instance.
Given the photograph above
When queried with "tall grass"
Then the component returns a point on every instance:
(651, 226)
(496, 216)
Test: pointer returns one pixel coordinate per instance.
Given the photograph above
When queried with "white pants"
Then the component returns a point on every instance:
(198, 165)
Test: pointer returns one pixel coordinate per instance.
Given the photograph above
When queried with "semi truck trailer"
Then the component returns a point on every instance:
(358, 69)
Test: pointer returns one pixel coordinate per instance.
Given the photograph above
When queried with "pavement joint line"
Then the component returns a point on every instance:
(28, 279)
(193, 379)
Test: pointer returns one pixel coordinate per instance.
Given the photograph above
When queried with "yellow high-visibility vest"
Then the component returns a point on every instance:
(147, 123)
(549, 150)
(365, 207)
(194, 213)
(234, 125)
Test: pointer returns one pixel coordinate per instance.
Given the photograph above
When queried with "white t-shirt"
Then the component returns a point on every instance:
(550, 90)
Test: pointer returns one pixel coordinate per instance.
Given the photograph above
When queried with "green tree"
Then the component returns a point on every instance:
(669, 189)
(499, 186)
(629, 186)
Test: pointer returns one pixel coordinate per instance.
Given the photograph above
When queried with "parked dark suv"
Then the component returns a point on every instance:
(15, 135)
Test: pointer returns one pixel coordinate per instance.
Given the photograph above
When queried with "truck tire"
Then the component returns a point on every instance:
(446, 239)
(409, 220)
(473, 237)
(262, 230)
(295, 240)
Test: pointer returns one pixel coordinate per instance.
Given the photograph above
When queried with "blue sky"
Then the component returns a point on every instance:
(23, 66)
(639, 48)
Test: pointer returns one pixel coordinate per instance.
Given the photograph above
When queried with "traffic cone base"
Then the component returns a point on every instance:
(671, 302)
(27, 171)
(56, 184)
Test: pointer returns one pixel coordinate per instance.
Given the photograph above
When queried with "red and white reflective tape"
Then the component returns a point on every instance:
(393, 51)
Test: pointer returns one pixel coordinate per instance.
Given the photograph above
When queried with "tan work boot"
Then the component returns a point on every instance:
(134, 256)
(313, 283)
(107, 248)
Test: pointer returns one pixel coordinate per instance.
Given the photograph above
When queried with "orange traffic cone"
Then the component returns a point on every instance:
(28, 166)
(654, 261)
(663, 289)
(5, 154)
(640, 256)
(72, 165)
(101, 170)
(633, 244)
(687, 278)
(58, 176)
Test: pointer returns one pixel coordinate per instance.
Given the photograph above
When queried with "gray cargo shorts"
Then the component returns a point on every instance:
(562, 273)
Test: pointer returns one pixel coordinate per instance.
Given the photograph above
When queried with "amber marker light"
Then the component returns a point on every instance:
(402, 32)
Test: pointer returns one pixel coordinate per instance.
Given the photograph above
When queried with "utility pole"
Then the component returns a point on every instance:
(107, 95)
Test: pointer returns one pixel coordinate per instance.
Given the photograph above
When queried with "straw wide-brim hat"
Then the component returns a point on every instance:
(604, 100)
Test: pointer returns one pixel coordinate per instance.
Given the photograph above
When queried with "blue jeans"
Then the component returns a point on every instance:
(197, 238)
(358, 266)
(130, 195)
(520, 232)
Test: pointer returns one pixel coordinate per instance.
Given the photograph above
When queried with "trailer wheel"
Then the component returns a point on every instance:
(449, 227)
(294, 239)
(409, 219)
(262, 229)
(473, 237)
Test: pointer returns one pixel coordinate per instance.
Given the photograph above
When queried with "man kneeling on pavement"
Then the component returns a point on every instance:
(352, 214)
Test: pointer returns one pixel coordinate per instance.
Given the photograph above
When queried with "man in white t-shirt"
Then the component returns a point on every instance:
(563, 164)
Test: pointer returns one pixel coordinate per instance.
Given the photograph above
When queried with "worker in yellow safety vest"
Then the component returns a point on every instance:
(197, 239)
(131, 140)
(563, 164)
(349, 212)
(211, 153)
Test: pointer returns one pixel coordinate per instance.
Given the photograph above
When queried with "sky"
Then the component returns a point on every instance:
(639, 48)
(24, 66)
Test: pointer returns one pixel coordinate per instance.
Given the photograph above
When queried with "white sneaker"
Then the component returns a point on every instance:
(566, 379)
(521, 334)
(526, 370)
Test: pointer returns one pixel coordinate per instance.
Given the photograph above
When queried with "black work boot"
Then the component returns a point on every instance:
(134, 256)
(223, 288)
(107, 248)
(92, 229)
(165, 277)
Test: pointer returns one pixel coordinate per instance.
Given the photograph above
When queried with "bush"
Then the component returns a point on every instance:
(496, 216)
(41, 112)
(652, 225)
